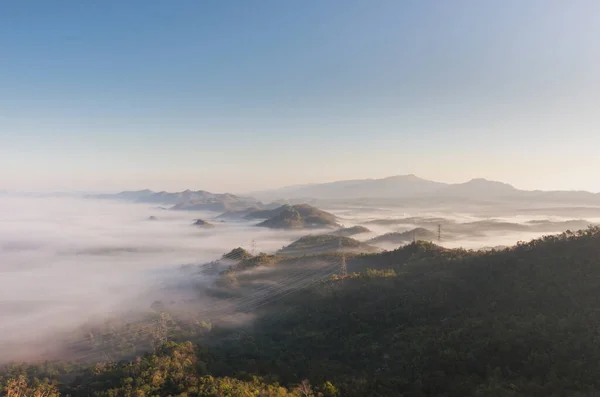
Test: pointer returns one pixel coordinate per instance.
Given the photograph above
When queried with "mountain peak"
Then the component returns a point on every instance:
(479, 187)
(483, 181)
(408, 177)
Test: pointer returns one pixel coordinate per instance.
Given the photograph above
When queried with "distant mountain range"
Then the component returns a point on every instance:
(166, 198)
(411, 186)
(394, 187)
(189, 200)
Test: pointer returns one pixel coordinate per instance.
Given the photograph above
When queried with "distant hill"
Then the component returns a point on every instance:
(202, 223)
(404, 237)
(199, 200)
(453, 230)
(238, 214)
(217, 203)
(301, 216)
(277, 204)
(479, 187)
(413, 187)
(413, 220)
(319, 244)
(237, 254)
(552, 226)
(132, 195)
(351, 231)
(256, 211)
(267, 213)
(406, 187)
(395, 186)
(481, 228)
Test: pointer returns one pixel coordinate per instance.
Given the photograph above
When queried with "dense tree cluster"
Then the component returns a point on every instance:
(417, 321)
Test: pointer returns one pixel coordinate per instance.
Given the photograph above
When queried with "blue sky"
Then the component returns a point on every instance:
(238, 95)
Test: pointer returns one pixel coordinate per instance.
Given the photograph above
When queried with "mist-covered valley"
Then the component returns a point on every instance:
(299, 199)
(73, 267)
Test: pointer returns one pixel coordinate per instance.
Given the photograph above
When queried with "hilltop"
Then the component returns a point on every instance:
(300, 216)
(268, 213)
(351, 231)
(319, 244)
(237, 254)
(203, 224)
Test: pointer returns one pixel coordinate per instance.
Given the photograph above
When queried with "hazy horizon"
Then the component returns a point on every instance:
(331, 198)
(240, 97)
(118, 260)
(258, 190)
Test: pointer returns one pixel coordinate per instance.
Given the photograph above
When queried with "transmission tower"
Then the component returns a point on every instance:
(343, 267)
(253, 249)
(439, 233)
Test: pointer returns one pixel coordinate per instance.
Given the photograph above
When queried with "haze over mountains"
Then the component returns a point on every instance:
(219, 260)
(412, 186)
(199, 200)
(394, 187)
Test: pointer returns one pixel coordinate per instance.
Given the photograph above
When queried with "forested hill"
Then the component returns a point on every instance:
(428, 321)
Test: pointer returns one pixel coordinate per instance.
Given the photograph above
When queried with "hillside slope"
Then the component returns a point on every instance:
(517, 322)
(319, 244)
(268, 213)
(351, 231)
(301, 216)
(417, 321)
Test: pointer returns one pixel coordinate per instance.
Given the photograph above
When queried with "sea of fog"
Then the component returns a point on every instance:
(68, 261)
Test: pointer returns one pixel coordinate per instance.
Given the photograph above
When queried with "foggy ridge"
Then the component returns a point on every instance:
(411, 186)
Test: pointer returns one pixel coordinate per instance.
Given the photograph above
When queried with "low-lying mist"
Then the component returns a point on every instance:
(69, 263)
(459, 229)
(66, 261)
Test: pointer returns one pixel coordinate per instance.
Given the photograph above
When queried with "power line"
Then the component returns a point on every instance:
(156, 330)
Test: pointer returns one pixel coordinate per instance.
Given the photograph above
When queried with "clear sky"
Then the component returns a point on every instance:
(242, 95)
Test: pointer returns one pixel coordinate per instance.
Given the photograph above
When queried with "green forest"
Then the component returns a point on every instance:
(417, 321)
